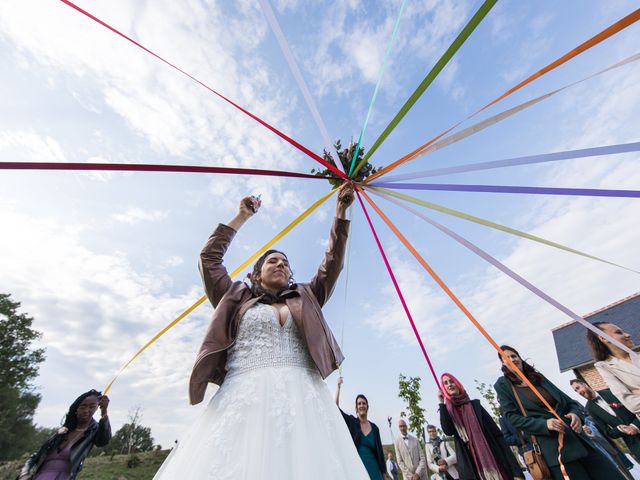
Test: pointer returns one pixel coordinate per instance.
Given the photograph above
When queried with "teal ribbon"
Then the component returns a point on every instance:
(431, 76)
(375, 92)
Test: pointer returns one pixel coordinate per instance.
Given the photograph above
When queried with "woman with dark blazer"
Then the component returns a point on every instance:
(481, 451)
(580, 458)
(61, 456)
(365, 435)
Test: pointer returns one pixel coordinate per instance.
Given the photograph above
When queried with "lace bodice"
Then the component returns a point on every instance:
(263, 342)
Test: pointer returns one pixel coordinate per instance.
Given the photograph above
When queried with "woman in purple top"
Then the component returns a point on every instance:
(62, 455)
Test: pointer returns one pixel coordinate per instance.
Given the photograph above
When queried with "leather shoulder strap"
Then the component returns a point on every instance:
(524, 413)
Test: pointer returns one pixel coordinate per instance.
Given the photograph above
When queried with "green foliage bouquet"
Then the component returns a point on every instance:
(345, 156)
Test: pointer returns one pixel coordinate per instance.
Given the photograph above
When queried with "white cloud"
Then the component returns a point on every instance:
(427, 305)
(174, 261)
(350, 48)
(436, 25)
(30, 147)
(134, 215)
(100, 176)
(530, 52)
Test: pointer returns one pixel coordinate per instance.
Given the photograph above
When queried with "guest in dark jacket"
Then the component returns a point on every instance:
(511, 436)
(580, 458)
(366, 436)
(612, 418)
(481, 451)
(606, 446)
(61, 456)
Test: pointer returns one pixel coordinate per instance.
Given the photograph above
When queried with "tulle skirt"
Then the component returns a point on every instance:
(274, 423)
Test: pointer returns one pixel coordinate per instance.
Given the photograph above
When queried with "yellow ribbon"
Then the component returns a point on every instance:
(202, 299)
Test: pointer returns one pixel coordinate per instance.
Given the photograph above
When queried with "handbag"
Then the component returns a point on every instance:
(533, 458)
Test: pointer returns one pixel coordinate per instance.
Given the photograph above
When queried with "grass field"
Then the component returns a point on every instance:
(106, 468)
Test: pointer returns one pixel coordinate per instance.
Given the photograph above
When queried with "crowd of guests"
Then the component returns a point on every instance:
(581, 442)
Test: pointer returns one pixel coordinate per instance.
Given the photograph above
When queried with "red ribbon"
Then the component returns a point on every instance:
(300, 147)
(142, 167)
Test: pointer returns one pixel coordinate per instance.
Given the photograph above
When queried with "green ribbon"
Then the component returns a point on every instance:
(437, 68)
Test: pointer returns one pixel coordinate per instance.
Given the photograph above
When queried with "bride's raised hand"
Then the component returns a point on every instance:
(249, 206)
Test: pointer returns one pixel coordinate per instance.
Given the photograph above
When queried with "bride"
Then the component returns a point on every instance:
(269, 348)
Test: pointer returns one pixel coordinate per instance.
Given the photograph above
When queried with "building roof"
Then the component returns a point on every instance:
(571, 338)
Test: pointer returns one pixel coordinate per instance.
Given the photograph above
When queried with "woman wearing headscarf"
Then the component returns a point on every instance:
(365, 435)
(580, 458)
(481, 451)
(61, 456)
(619, 369)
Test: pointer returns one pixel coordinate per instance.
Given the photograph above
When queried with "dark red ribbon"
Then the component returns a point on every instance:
(142, 167)
(300, 147)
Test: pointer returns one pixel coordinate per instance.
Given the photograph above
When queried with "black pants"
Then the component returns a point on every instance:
(594, 466)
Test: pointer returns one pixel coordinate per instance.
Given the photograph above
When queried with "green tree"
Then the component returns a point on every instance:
(19, 364)
(132, 437)
(489, 395)
(409, 391)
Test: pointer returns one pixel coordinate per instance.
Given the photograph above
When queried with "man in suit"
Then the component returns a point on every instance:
(410, 455)
(612, 418)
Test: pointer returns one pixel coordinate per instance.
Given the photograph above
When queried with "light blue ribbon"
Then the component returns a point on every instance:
(375, 91)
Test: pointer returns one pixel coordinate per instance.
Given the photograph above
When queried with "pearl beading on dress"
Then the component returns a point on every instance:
(262, 342)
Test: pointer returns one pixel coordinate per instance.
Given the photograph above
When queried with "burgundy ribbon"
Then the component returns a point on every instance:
(142, 167)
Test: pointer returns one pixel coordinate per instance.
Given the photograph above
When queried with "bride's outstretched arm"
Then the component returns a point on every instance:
(215, 278)
(324, 281)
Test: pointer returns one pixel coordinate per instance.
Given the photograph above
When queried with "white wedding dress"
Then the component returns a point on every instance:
(273, 417)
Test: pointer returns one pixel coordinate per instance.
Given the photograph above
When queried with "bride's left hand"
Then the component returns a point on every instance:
(345, 199)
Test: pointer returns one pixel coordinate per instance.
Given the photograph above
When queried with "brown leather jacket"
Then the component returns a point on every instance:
(232, 299)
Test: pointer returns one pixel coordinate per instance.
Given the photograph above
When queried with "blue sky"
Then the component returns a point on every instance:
(104, 260)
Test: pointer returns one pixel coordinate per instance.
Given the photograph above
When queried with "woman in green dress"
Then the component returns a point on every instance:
(366, 436)
(580, 458)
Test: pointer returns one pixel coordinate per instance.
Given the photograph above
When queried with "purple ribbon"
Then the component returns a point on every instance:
(450, 187)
